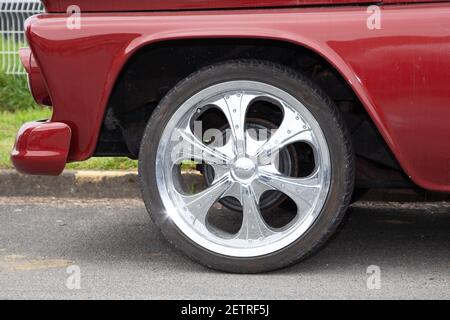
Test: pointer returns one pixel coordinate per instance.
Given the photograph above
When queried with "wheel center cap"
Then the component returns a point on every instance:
(243, 169)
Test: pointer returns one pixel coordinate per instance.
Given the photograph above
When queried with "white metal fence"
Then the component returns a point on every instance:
(13, 13)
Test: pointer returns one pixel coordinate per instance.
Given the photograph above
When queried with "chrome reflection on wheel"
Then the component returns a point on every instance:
(245, 169)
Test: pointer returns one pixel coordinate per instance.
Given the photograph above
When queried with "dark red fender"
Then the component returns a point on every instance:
(401, 72)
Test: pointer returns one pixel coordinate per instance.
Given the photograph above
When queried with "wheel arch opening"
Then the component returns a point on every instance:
(156, 68)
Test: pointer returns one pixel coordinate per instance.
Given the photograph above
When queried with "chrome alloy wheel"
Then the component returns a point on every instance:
(242, 169)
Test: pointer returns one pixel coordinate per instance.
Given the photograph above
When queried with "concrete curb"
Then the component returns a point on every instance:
(80, 184)
(124, 184)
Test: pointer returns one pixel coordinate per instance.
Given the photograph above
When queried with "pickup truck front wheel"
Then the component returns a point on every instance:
(246, 166)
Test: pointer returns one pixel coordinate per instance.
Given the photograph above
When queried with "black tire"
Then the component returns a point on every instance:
(332, 125)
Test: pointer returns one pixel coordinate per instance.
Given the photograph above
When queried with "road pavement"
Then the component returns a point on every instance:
(45, 243)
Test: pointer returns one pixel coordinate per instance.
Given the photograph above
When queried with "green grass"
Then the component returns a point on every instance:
(108, 163)
(14, 94)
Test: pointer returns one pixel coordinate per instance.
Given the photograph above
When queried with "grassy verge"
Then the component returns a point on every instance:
(14, 94)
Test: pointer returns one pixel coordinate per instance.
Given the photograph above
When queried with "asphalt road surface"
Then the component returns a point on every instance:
(118, 253)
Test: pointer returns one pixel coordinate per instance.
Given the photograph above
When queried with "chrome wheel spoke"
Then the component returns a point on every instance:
(259, 188)
(199, 204)
(234, 191)
(234, 106)
(192, 148)
(252, 143)
(292, 129)
(253, 225)
(220, 168)
(303, 191)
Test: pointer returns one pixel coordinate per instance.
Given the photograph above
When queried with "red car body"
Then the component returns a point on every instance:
(400, 73)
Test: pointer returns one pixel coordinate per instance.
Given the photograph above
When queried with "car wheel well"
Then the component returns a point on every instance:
(157, 68)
